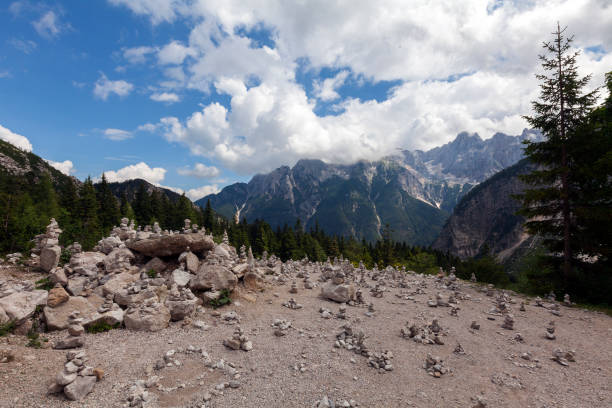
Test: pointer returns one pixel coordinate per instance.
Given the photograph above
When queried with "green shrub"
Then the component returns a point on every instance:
(151, 273)
(44, 284)
(223, 300)
(65, 257)
(7, 328)
(101, 327)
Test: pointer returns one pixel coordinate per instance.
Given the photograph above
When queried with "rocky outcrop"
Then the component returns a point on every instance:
(412, 191)
(175, 244)
(149, 316)
(57, 318)
(487, 217)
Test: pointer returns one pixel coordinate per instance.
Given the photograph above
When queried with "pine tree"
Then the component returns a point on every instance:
(561, 109)
(209, 218)
(89, 231)
(109, 212)
(126, 208)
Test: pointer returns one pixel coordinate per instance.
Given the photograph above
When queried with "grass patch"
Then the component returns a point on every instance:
(223, 300)
(65, 257)
(101, 327)
(44, 284)
(607, 309)
(7, 328)
(35, 341)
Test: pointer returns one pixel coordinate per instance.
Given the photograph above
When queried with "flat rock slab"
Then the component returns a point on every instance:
(57, 317)
(168, 245)
(79, 388)
(21, 305)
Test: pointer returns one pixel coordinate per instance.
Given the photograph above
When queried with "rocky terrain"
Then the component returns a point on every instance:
(295, 334)
(414, 191)
(488, 215)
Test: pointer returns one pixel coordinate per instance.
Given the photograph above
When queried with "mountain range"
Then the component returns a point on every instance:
(413, 192)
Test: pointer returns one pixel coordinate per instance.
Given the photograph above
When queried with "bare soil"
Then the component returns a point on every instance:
(491, 366)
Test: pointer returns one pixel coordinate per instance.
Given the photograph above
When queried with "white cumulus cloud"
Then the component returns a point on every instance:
(104, 87)
(197, 193)
(455, 65)
(137, 171)
(117, 134)
(137, 55)
(326, 89)
(66, 167)
(200, 170)
(167, 97)
(49, 25)
(15, 139)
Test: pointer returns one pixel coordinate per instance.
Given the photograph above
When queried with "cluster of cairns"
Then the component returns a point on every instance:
(144, 278)
(426, 334)
(138, 394)
(77, 379)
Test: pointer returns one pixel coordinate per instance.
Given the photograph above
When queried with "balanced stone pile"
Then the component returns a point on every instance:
(238, 341)
(381, 361)
(77, 379)
(352, 340)
(435, 366)
(75, 332)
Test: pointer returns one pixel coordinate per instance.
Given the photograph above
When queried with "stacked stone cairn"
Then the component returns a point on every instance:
(77, 379)
(238, 341)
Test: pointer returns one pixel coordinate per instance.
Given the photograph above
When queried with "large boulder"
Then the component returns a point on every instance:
(150, 316)
(118, 260)
(57, 317)
(58, 275)
(49, 257)
(112, 317)
(180, 278)
(174, 244)
(253, 279)
(87, 263)
(3, 317)
(240, 269)
(341, 293)
(156, 265)
(124, 298)
(118, 282)
(80, 387)
(106, 245)
(21, 305)
(179, 309)
(192, 263)
(76, 285)
(213, 276)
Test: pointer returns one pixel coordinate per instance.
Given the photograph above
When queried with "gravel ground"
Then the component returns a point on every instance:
(268, 377)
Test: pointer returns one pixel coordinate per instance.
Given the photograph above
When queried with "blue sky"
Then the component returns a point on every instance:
(196, 95)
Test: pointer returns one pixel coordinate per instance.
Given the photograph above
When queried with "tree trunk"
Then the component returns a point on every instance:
(567, 255)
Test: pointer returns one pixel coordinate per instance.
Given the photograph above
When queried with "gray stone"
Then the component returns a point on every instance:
(180, 277)
(64, 377)
(192, 263)
(213, 276)
(49, 257)
(57, 317)
(58, 275)
(156, 265)
(179, 309)
(168, 245)
(338, 293)
(87, 263)
(118, 282)
(21, 305)
(118, 260)
(69, 343)
(153, 318)
(79, 388)
(76, 285)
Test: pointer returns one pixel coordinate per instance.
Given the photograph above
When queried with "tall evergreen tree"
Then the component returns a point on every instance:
(89, 230)
(561, 109)
(109, 212)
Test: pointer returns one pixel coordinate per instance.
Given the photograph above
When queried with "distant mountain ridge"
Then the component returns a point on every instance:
(130, 188)
(485, 220)
(413, 191)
